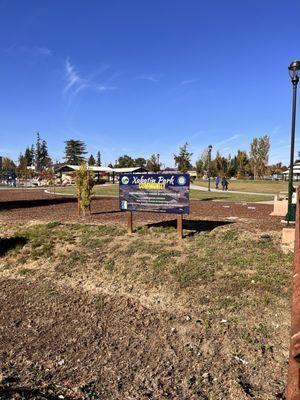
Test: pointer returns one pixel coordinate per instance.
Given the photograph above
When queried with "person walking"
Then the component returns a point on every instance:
(217, 181)
(224, 183)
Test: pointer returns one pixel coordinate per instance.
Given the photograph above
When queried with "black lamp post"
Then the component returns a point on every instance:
(294, 71)
(209, 159)
(158, 162)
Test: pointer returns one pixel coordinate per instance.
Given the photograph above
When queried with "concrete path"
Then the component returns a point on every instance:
(204, 189)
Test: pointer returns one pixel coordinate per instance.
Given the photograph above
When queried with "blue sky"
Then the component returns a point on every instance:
(142, 77)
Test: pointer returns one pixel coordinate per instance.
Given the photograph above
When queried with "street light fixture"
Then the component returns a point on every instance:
(294, 72)
(209, 159)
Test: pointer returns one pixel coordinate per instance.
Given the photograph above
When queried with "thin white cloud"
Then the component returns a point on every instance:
(44, 51)
(104, 88)
(73, 82)
(148, 77)
(230, 139)
(188, 81)
(29, 50)
(275, 130)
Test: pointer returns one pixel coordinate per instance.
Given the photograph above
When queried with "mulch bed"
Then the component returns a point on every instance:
(35, 204)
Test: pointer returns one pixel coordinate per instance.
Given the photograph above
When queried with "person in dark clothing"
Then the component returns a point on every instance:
(224, 183)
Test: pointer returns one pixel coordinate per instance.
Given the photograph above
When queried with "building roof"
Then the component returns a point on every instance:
(129, 170)
(69, 168)
(296, 168)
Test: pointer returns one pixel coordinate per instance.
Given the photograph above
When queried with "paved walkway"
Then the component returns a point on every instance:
(204, 189)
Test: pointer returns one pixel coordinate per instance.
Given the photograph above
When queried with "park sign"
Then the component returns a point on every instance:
(166, 193)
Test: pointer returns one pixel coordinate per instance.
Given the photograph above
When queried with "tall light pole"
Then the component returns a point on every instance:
(294, 72)
(209, 160)
(158, 162)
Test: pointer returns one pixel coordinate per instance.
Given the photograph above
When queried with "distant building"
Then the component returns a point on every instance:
(296, 172)
(192, 174)
(107, 173)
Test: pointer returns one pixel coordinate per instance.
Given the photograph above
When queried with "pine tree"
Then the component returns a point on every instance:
(74, 152)
(45, 160)
(29, 157)
(91, 160)
(32, 155)
(183, 159)
(38, 152)
(99, 163)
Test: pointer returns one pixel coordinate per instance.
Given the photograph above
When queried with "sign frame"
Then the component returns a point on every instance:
(155, 192)
(154, 181)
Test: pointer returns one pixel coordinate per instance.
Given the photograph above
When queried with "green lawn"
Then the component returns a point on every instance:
(243, 185)
(195, 194)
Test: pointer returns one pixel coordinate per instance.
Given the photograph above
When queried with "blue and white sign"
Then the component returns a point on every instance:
(168, 193)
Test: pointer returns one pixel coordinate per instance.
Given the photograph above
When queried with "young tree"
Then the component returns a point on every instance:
(74, 151)
(99, 163)
(84, 184)
(153, 164)
(183, 159)
(91, 160)
(259, 155)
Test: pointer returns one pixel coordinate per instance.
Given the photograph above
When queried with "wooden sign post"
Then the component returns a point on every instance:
(129, 222)
(179, 226)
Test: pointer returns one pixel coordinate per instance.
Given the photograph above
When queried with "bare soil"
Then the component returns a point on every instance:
(25, 205)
